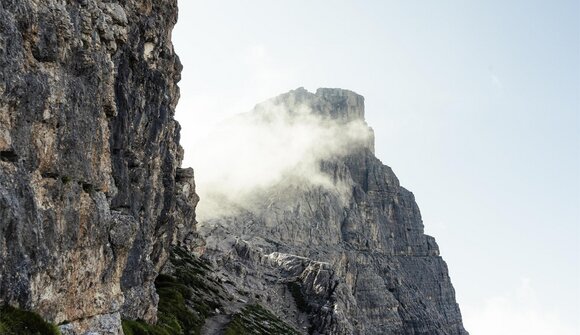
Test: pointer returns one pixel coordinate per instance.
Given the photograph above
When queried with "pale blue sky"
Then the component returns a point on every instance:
(475, 105)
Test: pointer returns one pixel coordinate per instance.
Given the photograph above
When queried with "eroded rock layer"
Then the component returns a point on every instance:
(346, 256)
(91, 193)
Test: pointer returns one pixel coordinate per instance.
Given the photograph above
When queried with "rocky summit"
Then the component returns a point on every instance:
(98, 231)
(343, 256)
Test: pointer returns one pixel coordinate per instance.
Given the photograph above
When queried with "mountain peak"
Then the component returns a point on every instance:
(335, 103)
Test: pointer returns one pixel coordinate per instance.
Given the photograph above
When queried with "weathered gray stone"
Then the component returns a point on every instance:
(90, 200)
(364, 265)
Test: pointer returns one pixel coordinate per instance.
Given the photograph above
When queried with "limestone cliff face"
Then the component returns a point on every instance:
(91, 193)
(349, 258)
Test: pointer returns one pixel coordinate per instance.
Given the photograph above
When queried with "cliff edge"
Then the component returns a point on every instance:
(91, 190)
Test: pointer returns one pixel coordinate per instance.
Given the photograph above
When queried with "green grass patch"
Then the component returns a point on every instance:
(191, 294)
(256, 320)
(131, 327)
(14, 321)
(186, 298)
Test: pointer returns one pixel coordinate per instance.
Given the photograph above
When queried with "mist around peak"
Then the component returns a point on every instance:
(280, 143)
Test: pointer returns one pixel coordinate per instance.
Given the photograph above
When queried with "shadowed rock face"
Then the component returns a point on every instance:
(91, 194)
(349, 258)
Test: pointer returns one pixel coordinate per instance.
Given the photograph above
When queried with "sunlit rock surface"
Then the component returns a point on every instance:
(344, 256)
(91, 194)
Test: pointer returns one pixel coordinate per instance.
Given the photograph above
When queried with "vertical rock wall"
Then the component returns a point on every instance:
(91, 193)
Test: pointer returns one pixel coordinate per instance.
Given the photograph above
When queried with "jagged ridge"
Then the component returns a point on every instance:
(353, 255)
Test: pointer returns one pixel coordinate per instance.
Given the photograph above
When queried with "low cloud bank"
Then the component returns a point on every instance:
(247, 154)
(516, 313)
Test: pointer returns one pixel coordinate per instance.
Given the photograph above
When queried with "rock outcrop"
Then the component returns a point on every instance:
(195, 298)
(93, 202)
(348, 256)
(91, 193)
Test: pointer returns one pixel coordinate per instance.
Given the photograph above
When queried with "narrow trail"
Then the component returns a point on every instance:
(216, 325)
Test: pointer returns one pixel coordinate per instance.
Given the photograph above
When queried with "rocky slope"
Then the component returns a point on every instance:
(346, 256)
(91, 193)
(94, 204)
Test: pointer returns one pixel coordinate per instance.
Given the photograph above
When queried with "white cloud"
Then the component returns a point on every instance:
(515, 313)
(250, 75)
(496, 81)
(244, 156)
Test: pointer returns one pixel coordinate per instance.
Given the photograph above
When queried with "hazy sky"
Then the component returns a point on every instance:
(475, 106)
